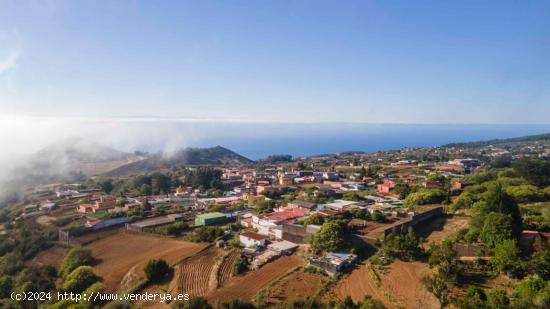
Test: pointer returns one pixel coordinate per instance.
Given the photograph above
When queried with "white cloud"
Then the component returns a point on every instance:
(8, 62)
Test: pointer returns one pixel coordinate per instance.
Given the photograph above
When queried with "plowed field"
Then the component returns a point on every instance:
(400, 287)
(226, 269)
(296, 286)
(245, 287)
(194, 274)
(120, 252)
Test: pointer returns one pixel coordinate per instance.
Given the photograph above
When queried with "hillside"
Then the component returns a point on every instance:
(529, 138)
(76, 155)
(217, 155)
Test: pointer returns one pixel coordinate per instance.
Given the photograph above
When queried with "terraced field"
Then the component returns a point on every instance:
(119, 252)
(194, 274)
(246, 286)
(226, 269)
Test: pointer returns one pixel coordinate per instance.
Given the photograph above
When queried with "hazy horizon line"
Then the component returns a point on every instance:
(175, 119)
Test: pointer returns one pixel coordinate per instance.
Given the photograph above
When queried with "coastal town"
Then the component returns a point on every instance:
(337, 229)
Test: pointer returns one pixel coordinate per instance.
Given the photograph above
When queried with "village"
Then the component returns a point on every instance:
(316, 224)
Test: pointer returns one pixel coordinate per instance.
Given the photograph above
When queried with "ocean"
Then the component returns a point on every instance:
(255, 140)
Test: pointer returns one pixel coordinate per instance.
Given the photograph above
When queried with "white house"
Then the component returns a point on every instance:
(251, 239)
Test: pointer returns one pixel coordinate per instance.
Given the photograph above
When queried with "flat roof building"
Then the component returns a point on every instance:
(211, 218)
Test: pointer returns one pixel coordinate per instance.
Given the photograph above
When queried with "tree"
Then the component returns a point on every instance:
(106, 185)
(425, 196)
(497, 200)
(402, 245)
(526, 292)
(437, 285)
(525, 193)
(438, 180)
(443, 256)
(505, 255)
(330, 236)
(157, 269)
(475, 298)
(498, 300)
(497, 227)
(95, 289)
(208, 233)
(315, 219)
(79, 279)
(264, 206)
(74, 258)
(403, 190)
(539, 263)
(358, 213)
(351, 196)
(239, 266)
(6, 285)
(535, 171)
(145, 189)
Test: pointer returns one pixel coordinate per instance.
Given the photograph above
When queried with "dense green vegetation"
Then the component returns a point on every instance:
(206, 234)
(274, 159)
(73, 259)
(331, 236)
(157, 270)
(501, 202)
(425, 196)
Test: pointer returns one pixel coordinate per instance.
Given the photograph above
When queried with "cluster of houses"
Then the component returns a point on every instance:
(38, 209)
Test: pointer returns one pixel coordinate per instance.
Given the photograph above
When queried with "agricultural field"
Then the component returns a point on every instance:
(226, 268)
(196, 275)
(246, 286)
(123, 255)
(441, 227)
(297, 285)
(51, 257)
(399, 287)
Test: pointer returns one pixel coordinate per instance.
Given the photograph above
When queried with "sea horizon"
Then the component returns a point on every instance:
(255, 141)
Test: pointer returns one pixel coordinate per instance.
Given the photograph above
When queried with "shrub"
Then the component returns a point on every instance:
(239, 266)
(79, 279)
(157, 269)
(425, 196)
(74, 258)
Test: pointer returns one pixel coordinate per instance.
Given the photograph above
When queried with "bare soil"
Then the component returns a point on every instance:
(120, 252)
(296, 286)
(245, 287)
(226, 269)
(52, 257)
(193, 276)
(400, 287)
(441, 227)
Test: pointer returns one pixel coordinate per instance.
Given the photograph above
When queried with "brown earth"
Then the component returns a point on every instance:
(441, 227)
(474, 278)
(400, 287)
(245, 287)
(45, 220)
(52, 257)
(226, 269)
(194, 275)
(120, 252)
(296, 286)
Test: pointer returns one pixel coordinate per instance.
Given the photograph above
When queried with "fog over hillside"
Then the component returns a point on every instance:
(40, 149)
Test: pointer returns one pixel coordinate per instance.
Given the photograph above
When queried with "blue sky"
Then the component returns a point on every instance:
(313, 61)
